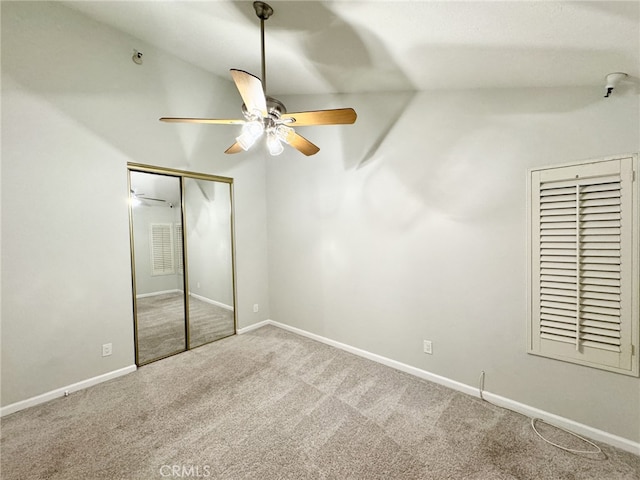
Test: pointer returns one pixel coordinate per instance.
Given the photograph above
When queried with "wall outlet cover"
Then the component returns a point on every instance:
(107, 349)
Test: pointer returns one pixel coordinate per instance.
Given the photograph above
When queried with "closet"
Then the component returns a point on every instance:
(182, 259)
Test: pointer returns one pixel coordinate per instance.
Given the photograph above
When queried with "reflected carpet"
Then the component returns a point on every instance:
(161, 328)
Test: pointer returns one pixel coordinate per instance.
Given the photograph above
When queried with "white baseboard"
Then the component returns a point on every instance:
(212, 302)
(60, 392)
(161, 292)
(566, 423)
(532, 412)
(586, 430)
(242, 330)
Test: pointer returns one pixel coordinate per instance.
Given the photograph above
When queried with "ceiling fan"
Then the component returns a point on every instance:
(266, 115)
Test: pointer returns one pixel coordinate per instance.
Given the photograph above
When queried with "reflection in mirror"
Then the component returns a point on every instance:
(210, 266)
(158, 262)
(178, 248)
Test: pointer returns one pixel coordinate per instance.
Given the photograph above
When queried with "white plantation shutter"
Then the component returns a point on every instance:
(162, 249)
(584, 264)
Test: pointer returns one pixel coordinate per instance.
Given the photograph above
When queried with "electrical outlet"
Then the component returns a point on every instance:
(107, 349)
(256, 308)
(426, 346)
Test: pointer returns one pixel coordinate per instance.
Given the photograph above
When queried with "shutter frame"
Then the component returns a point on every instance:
(583, 263)
(161, 243)
(179, 259)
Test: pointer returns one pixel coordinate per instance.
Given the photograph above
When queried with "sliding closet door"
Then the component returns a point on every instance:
(182, 260)
(157, 252)
(210, 260)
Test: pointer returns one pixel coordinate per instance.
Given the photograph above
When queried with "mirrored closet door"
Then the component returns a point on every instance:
(182, 255)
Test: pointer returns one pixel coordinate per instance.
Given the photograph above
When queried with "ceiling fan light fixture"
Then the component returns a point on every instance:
(254, 115)
(274, 145)
(251, 131)
(283, 133)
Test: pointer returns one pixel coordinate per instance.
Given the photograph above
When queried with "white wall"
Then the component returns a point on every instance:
(426, 238)
(75, 110)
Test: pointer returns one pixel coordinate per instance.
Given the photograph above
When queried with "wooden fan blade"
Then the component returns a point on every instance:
(235, 148)
(222, 121)
(302, 144)
(338, 116)
(250, 88)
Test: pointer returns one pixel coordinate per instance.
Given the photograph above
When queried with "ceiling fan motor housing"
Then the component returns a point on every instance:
(275, 108)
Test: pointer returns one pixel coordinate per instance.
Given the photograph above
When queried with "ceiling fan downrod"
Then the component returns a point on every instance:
(263, 11)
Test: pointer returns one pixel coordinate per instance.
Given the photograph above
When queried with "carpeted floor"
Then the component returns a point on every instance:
(161, 329)
(273, 405)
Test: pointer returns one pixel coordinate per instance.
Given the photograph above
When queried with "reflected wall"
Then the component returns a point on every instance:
(209, 240)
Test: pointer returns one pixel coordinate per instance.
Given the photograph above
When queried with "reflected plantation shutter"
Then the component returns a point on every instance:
(162, 249)
(584, 264)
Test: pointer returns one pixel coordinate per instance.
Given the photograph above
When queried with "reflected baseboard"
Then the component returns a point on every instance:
(212, 302)
(194, 295)
(162, 292)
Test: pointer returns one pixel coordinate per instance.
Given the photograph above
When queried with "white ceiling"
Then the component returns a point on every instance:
(373, 46)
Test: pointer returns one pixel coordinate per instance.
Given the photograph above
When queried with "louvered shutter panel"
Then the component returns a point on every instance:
(162, 249)
(584, 306)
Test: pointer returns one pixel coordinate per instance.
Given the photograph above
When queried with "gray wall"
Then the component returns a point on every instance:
(426, 238)
(75, 110)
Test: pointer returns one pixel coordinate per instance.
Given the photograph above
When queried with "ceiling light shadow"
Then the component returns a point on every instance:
(353, 60)
(297, 16)
(392, 118)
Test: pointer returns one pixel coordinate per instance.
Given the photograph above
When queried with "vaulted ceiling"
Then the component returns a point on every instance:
(372, 46)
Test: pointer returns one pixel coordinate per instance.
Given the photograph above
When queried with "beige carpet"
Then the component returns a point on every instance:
(273, 405)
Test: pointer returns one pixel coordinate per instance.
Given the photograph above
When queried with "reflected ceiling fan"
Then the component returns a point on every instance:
(138, 198)
(267, 115)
